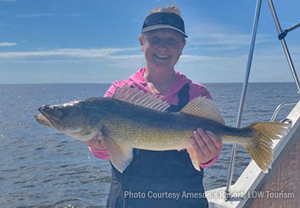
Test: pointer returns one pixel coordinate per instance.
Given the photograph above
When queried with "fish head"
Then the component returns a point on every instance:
(67, 118)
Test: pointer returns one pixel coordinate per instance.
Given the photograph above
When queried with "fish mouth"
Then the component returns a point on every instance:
(47, 119)
(43, 120)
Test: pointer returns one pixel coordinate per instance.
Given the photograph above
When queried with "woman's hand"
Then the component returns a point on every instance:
(206, 144)
(97, 142)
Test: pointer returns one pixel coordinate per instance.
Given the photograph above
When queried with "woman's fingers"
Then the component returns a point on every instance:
(196, 147)
(201, 139)
(206, 144)
(216, 140)
(98, 142)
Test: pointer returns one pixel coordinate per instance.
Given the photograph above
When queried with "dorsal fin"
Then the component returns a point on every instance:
(205, 108)
(141, 98)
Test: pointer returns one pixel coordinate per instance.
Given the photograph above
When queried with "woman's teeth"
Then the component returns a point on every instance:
(162, 57)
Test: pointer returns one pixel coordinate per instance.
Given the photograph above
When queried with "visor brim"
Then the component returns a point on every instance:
(156, 27)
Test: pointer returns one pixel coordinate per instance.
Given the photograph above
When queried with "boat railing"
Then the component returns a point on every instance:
(279, 107)
(281, 36)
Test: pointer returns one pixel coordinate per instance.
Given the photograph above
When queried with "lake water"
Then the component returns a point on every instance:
(40, 168)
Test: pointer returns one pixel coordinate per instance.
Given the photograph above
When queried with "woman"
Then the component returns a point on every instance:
(166, 178)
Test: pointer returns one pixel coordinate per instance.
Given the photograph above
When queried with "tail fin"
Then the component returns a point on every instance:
(261, 149)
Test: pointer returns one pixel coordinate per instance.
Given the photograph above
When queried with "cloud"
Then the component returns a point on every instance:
(67, 53)
(223, 41)
(7, 44)
(212, 36)
(116, 63)
(37, 15)
(190, 58)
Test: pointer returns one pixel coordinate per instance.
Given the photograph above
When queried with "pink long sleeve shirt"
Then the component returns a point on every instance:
(137, 80)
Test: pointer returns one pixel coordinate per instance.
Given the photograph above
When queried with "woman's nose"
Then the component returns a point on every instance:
(163, 44)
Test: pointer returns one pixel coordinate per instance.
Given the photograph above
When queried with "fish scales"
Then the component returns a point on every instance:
(127, 124)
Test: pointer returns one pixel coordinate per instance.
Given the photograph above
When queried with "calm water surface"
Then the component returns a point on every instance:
(40, 168)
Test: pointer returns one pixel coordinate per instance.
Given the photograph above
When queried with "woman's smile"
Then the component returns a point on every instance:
(161, 56)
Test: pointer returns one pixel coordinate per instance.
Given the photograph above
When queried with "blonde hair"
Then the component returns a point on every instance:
(167, 9)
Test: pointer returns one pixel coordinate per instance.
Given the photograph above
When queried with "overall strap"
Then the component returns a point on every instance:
(183, 99)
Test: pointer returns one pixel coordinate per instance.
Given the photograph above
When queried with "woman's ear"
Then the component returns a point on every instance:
(141, 42)
(182, 46)
(184, 43)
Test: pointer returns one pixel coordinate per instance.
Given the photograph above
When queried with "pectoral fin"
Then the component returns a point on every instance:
(120, 155)
(194, 158)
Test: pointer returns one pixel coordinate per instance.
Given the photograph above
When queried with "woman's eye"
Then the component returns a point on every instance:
(155, 40)
(172, 41)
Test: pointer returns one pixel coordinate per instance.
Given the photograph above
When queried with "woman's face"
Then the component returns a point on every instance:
(162, 48)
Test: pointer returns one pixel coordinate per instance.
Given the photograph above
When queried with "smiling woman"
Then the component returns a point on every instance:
(162, 41)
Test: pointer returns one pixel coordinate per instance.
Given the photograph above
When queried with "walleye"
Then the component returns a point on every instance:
(135, 119)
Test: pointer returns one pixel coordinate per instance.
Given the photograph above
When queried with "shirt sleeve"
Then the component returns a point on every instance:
(104, 154)
(100, 154)
(111, 90)
(209, 163)
(197, 90)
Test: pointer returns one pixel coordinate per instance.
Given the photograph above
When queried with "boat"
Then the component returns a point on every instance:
(280, 187)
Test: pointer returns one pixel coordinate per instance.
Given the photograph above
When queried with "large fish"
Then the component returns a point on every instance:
(135, 119)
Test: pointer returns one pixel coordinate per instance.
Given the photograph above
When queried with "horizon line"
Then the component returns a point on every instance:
(269, 82)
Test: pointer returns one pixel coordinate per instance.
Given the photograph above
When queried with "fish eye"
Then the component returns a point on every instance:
(58, 112)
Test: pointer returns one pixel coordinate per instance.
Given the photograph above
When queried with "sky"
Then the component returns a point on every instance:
(96, 41)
